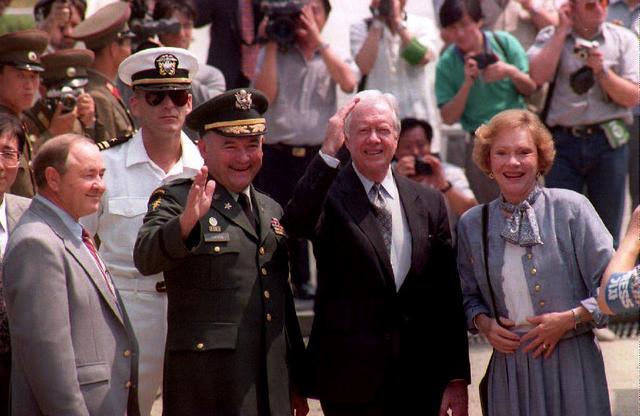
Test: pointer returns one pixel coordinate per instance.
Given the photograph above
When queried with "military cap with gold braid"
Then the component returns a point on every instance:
(159, 69)
(67, 67)
(234, 113)
(22, 49)
(106, 25)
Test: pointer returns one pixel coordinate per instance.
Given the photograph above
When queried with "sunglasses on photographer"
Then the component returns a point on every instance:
(178, 97)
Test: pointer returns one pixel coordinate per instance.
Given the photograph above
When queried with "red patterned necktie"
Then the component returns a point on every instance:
(249, 48)
(88, 241)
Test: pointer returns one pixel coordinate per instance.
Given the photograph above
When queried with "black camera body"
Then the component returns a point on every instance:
(144, 27)
(67, 96)
(384, 9)
(422, 167)
(485, 59)
(582, 47)
(283, 20)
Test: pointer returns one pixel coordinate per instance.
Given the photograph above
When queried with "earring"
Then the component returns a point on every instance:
(491, 175)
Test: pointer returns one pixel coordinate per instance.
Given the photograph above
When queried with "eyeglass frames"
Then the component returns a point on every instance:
(178, 97)
(10, 158)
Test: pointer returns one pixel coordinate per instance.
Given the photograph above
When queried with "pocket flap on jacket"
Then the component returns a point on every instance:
(203, 336)
(92, 373)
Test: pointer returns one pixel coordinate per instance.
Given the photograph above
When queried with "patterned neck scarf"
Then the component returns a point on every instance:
(522, 228)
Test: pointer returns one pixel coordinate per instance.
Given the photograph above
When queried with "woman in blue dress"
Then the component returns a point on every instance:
(546, 251)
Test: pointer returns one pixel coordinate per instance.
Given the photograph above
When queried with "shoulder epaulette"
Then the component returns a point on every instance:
(116, 141)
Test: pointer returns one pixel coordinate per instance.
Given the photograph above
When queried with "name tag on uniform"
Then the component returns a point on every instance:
(216, 238)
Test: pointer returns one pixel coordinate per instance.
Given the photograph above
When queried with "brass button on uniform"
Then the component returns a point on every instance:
(126, 353)
(216, 249)
(534, 271)
(541, 303)
(199, 346)
(263, 271)
(267, 295)
(537, 287)
(261, 251)
(269, 317)
(529, 256)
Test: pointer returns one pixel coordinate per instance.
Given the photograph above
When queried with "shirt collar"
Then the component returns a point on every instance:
(3, 214)
(190, 156)
(73, 225)
(388, 184)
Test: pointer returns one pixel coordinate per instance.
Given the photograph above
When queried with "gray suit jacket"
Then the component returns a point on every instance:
(73, 349)
(15, 206)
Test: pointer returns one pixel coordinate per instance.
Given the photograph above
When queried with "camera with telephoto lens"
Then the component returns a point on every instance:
(422, 167)
(485, 59)
(384, 9)
(283, 20)
(582, 47)
(67, 96)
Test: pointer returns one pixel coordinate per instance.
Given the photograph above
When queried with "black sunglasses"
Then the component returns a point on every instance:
(178, 97)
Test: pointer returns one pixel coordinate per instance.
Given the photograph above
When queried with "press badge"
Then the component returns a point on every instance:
(616, 131)
(216, 237)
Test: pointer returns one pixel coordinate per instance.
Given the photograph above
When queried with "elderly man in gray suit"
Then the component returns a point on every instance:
(12, 139)
(73, 350)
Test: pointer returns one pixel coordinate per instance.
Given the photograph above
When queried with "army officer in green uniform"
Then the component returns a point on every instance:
(233, 340)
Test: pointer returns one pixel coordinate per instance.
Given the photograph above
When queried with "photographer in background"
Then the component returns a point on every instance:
(414, 159)
(58, 18)
(594, 67)
(392, 49)
(64, 107)
(299, 79)
(481, 74)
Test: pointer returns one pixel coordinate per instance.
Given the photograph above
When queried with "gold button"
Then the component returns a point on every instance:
(216, 249)
(529, 256)
(541, 303)
(127, 353)
(263, 271)
(534, 271)
(267, 295)
(269, 317)
(537, 287)
(128, 385)
(261, 251)
(199, 346)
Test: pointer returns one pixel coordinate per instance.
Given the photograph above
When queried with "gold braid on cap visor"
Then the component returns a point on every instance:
(239, 127)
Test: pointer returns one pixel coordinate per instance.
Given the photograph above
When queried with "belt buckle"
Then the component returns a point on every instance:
(298, 151)
(161, 286)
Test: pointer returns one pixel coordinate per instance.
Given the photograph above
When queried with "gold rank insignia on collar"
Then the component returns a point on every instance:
(157, 194)
(227, 206)
(243, 100)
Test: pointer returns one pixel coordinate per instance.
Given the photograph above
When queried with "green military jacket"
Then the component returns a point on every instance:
(233, 336)
(25, 184)
(113, 118)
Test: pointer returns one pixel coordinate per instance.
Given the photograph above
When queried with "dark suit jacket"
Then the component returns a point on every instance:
(224, 47)
(73, 349)
(233, 335)
(366, 337)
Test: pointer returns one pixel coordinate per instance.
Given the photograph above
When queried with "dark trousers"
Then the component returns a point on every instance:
(282, 168)
(5, 382)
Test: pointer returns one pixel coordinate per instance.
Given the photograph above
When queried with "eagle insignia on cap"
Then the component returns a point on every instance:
(167, 64)
(32, 56)
(243, 100)
(71, 72)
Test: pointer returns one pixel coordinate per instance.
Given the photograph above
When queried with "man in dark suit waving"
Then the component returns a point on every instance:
(387, 277)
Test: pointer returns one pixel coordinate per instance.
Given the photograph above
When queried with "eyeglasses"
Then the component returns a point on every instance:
(178, 97)
(10, 158)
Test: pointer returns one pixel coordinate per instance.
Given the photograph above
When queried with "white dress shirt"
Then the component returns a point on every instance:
(4, 228)
(130, 178)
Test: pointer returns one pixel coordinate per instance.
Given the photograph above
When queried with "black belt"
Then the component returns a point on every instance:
(580, 131)
(295, 151)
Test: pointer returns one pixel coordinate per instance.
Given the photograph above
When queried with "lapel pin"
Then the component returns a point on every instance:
(227, 206)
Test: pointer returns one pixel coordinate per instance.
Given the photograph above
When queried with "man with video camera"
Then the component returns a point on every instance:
(481, 74)
(298, 72)
(64, 106)
(594, 67)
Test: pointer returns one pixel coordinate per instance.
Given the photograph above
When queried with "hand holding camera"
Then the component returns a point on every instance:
(86, 110)
(62, 121)
(309, 29)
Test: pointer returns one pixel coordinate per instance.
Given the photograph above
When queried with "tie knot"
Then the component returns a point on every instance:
(85, 234)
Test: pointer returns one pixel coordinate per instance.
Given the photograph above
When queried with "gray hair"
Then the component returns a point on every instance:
(376, 96)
